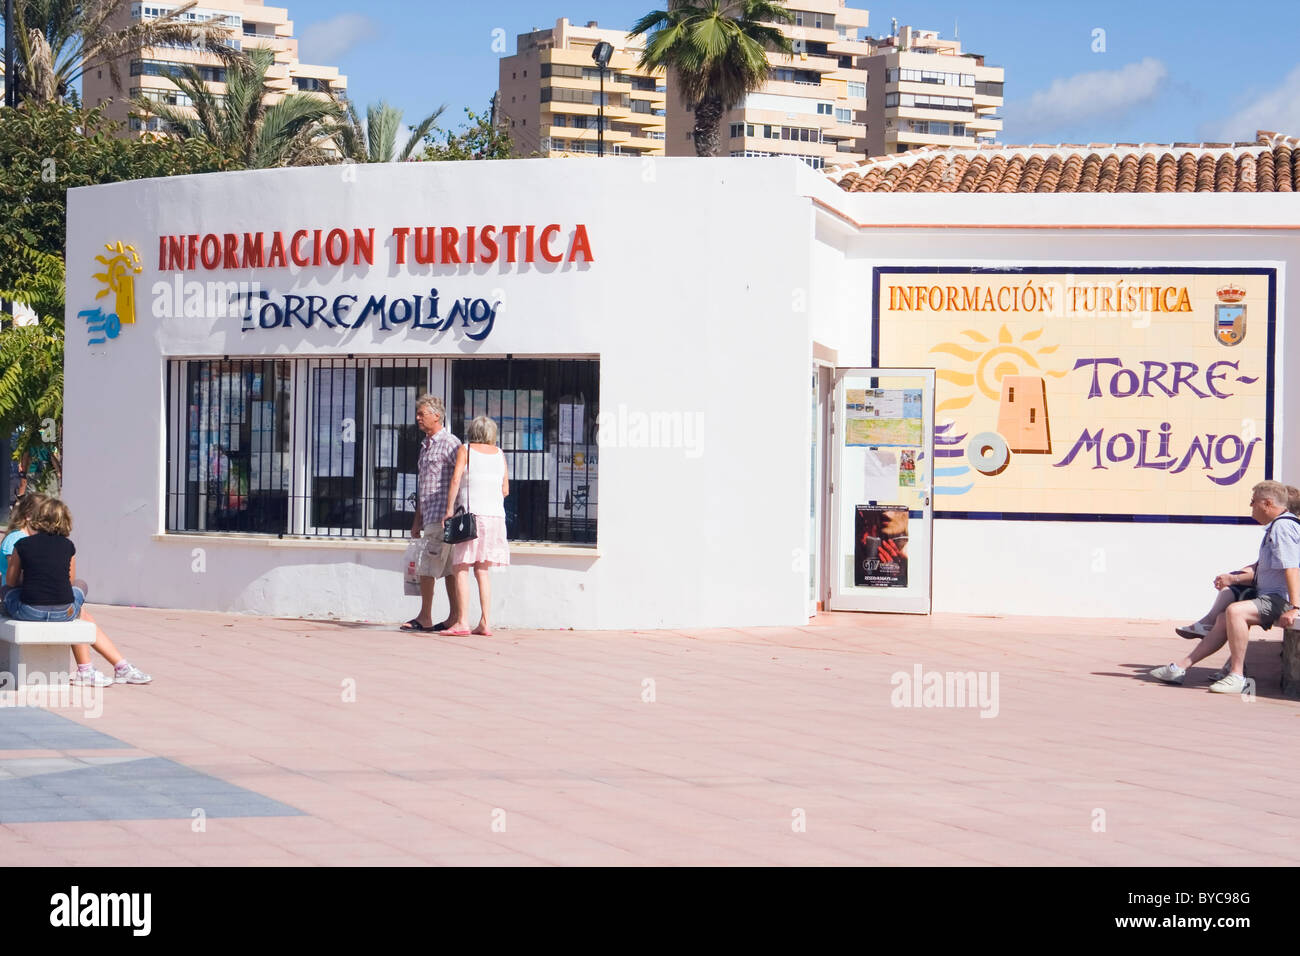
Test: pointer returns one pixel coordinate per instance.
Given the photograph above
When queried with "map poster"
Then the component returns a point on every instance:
(880, 546)
(882, 417)
(1094, 392)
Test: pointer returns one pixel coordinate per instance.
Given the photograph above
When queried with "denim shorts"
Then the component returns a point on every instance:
(16, 609)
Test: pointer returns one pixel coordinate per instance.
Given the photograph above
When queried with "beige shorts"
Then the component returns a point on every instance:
(435, 559)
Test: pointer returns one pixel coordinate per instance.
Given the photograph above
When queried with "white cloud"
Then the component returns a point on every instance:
(1277, 110)
(1074, 99)
(326, 42)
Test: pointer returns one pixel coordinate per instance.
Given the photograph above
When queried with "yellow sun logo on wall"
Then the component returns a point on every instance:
(1008, 372)
(121, 266)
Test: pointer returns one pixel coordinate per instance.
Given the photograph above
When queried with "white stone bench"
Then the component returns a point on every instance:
(32, 648)
(1291, 662)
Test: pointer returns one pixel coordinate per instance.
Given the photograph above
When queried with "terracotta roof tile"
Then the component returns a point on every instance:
(1245, 178)
(1032, 174)
(1264, 180)
(1167, 173)
(1225, 174)
(1270, 164)
(952, 174)
(1109, 174)
(1205, 174)
(1071, 172)
(992, 174)
(971, 175)
(1145, 181)
(1128, 174)
(1091, 174)
(1011, 175)
(1051, 175)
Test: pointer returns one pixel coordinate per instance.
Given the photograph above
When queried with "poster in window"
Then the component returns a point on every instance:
(536, 421)
(393, 405)
(386, 448)
(263, 417)
(907, 468)
(880, 546)
(507, 424)
(336, 395)
(882, 416)
(574, 475)
(571, 424)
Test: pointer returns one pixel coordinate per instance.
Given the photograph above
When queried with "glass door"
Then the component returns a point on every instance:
(882, 453)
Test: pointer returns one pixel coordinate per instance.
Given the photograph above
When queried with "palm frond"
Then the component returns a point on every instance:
(418, 132)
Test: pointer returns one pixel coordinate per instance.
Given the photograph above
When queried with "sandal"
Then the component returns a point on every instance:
(414, 625)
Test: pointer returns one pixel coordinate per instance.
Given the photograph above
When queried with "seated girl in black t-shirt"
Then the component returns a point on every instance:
(41, 572)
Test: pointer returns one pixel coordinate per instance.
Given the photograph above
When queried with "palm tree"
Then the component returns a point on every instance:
(56, 41)
(717, 50)
(31, 357)
(295, 131)
(376, 141)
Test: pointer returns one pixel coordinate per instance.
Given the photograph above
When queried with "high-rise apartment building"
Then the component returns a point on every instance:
(815, 105)
(145, 70)
(550, 94)
(841, 94)
(925, 91)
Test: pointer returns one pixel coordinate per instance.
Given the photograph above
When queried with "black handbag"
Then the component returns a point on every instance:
(461, 526)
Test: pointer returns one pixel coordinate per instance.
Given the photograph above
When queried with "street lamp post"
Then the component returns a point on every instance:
(601, 54)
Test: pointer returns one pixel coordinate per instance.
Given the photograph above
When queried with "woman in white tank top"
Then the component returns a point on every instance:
(480, 484)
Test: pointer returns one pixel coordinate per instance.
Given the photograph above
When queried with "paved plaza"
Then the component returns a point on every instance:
(266, 741)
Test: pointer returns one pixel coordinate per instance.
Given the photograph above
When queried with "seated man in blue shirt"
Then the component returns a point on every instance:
(1277, 586)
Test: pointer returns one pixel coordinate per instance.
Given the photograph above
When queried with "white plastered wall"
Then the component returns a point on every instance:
(687, 305)
(1144, 571)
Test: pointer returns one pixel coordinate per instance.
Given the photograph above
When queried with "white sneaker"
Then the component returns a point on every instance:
(1224, 671)
(90, 678)
(1193, 632)
(1232, 684)
(1170, 673)
(131, 675)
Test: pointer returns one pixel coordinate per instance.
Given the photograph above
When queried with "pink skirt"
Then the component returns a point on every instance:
(490, 547)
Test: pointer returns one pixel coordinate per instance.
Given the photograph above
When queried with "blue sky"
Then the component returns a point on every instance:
(1169, 71)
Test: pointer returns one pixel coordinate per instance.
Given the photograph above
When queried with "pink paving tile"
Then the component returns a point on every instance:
(747, 724)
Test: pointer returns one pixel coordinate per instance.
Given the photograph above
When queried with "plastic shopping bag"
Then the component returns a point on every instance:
(411, 583)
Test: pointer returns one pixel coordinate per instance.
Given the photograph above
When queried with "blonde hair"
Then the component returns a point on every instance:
(20, 514)
(482, 431)
(51, 516)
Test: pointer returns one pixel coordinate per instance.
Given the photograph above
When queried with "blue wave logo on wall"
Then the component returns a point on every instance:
(947, 447)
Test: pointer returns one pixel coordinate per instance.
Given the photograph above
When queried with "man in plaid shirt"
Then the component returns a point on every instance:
(437, 463)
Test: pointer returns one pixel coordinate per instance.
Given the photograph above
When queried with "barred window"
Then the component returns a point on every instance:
(228, 467)
(364, 447)
(546, 413)
(330, 447)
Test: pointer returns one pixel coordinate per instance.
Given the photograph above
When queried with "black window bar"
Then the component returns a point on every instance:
(546, 412)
